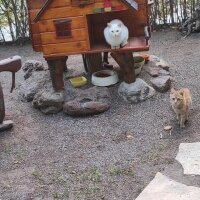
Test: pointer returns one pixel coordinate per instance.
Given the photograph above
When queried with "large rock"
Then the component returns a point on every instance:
(90, 101)
(164, 188)
(155, 61)
(163, 64)
(135, 92)
(163, 72)
(48, 101)
(156, 71)
(161, 83)
(189, 157)
(38, 81)
(30, 66)
(152, 71)
(154, 58)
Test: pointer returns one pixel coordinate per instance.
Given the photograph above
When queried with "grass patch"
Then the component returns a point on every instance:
(89, 193)
(66, 193)
(163, 146)
(18, 159)
(93, 175)
(121, 171)
(36, 173)
(55, 195)
(8, 150)
(152, 156)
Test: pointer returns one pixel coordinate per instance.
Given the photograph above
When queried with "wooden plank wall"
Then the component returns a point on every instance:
(43, 32)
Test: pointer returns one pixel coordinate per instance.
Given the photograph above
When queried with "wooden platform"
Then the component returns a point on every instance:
(134, 44)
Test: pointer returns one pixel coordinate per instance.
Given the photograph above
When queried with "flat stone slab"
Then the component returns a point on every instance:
(164, 188)
(161, 83)
(6, 125)
(189, 157)
(155, 61)
(156, 71)
(90, 101)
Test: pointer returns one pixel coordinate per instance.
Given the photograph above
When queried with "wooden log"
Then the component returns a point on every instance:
(2, 106)
(94, 62)
(126, 63)
(57, 68)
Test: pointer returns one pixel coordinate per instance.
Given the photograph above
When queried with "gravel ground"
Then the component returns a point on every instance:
(91, 158)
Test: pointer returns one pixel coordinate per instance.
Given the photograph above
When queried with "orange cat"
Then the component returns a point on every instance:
(181, 101)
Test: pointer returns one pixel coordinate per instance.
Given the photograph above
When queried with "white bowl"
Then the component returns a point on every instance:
(104, 78)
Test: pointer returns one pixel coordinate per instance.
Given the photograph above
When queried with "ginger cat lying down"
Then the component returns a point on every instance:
(181, 101)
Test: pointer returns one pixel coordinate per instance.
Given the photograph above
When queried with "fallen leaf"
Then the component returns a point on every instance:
(167, 128)
(129, 136)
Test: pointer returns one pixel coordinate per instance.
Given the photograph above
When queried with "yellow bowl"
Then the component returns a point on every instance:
(78, 81)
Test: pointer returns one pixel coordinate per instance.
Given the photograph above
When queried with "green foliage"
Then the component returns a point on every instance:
(13, 15)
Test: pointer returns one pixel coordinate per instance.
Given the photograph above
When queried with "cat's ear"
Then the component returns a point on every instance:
(109, 25)
(120, 24)
(181, 92)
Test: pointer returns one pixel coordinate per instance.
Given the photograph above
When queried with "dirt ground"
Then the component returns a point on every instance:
(91, 158)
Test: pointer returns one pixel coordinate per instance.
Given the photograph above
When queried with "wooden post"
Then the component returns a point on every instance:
(57, 68)
(2, 106)
(94, 62)
(126, 63)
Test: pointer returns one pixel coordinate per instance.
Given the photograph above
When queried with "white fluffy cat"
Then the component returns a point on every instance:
(116, 34)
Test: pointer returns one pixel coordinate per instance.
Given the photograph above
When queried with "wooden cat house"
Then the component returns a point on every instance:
(60, 28)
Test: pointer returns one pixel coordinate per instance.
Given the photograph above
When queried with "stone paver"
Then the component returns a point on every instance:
(189, 157)
(163, 188)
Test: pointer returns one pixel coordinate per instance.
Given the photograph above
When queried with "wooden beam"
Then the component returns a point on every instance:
(42, 10)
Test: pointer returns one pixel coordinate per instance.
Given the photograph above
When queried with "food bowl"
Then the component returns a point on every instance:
(104, 78)
(78, 81)
(138, 64)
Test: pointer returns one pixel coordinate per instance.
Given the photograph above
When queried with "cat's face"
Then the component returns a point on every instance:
(115, 29)
(176, 97)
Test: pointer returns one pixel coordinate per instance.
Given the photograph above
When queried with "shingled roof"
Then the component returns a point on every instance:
(130, 3)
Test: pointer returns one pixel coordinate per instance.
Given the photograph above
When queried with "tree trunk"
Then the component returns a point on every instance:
(171, 4)
(2, 35)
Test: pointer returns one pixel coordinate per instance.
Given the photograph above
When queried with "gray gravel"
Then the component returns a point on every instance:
(60, 157)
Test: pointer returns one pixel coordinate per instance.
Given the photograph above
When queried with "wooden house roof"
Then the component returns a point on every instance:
(42, 10)
(130, 3)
